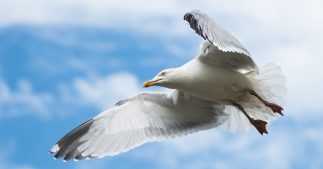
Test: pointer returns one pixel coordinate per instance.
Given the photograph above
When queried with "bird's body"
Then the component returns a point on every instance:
(212, 83)
(209, 91)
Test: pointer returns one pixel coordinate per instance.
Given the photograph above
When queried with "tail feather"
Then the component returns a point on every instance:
(268, 83)
(236, 120)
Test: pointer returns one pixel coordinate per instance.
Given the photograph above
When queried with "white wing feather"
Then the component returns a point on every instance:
(143, 118)
(209, 30)
(219, 47)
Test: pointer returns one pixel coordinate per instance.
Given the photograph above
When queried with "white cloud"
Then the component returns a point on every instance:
(101, 92)
(106, 91)
(85, 12)
(160, 15)
(23, 100)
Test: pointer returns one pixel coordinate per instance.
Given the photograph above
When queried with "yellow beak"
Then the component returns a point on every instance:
(151, 83)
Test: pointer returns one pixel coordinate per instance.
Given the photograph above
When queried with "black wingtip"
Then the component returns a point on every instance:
(119, 103)
(65, 145)
(188, 17)
(185, 16)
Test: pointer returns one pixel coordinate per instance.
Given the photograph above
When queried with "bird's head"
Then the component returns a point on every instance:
(164, 78)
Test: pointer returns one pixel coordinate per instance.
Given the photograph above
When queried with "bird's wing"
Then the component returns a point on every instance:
(220, 47)
(143, 118)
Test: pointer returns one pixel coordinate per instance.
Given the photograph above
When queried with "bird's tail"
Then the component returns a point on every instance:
(269, 84)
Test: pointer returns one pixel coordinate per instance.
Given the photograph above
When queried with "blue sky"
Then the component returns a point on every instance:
(61, 63)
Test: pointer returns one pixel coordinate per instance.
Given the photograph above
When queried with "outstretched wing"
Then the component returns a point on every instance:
(137, 120)
(219, 47)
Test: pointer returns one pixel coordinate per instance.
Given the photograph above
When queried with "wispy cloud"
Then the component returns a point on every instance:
(107, 90)
(23, 100)
(158, 15)
(101, 92)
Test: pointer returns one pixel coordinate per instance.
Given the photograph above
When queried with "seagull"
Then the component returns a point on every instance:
(221, 87)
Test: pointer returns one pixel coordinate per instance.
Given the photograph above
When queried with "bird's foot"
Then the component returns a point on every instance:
(275, 108)
(260, 125)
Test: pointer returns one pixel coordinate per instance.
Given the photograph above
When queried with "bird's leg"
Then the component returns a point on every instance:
(274, 107)
(260, 125)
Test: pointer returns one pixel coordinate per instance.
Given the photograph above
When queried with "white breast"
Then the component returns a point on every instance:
(212, 83)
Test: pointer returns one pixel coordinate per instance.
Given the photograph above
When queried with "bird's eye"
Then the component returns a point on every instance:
(162, 73)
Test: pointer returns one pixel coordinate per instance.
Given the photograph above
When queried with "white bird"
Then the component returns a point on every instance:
(220, 87)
